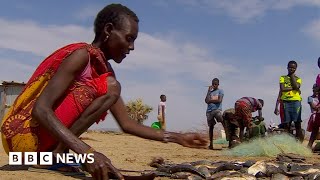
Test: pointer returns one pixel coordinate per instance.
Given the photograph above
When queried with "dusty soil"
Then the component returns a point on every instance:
(128, 153)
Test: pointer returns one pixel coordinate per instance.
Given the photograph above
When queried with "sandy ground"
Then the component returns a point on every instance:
(129, 153)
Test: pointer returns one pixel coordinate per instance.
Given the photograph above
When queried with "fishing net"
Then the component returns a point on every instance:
(269, 146)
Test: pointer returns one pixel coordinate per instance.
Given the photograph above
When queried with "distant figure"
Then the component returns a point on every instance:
(255, 128)
(162, 111)
(232, 130)
(214, 110)
(316, 123)
(291, 98)
(243, 113)
(318, 77)
(318, 81)
(313, 101)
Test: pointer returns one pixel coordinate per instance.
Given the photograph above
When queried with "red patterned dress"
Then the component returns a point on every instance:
(21, 133)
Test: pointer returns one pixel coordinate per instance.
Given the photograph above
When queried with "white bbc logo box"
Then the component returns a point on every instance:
(30, 158)
(45, 158)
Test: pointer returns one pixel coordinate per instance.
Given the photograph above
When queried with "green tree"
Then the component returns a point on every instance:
(138, 111)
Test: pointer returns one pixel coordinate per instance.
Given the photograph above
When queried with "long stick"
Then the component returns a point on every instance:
(278, 148)
(125, 170)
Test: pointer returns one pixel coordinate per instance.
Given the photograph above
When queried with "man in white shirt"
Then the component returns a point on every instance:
(162, 111)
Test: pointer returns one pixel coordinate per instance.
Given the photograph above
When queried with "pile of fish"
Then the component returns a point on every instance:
(285, 166)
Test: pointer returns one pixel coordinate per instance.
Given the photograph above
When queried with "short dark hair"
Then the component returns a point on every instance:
(215, 79)
(162, 96)
(314, 86)
(113, 13)
(261, 101)
(293, 62)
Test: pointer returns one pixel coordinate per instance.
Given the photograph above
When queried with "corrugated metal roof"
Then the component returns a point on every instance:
(11, 83)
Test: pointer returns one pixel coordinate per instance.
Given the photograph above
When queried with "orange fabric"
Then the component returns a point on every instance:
(243, 113)
(20, 133)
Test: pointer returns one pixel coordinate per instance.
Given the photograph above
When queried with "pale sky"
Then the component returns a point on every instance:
(182, 45)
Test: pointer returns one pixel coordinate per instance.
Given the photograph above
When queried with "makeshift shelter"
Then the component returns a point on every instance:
(9, 91)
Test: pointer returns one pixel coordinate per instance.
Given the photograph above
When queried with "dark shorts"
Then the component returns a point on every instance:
(214, 116)
(316, 123)
(292, 111)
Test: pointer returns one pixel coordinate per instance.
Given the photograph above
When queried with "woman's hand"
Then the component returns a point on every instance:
(101, 166)
(192, 140)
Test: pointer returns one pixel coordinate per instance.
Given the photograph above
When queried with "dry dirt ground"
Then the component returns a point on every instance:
(128, 153)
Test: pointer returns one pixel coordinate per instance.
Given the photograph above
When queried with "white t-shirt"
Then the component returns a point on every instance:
(314, 101)
(161, 104)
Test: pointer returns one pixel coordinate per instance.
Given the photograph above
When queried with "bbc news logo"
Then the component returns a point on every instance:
(46, 158)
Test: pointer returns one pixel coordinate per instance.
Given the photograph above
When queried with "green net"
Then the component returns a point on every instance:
(269, 146)
(258, 129)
